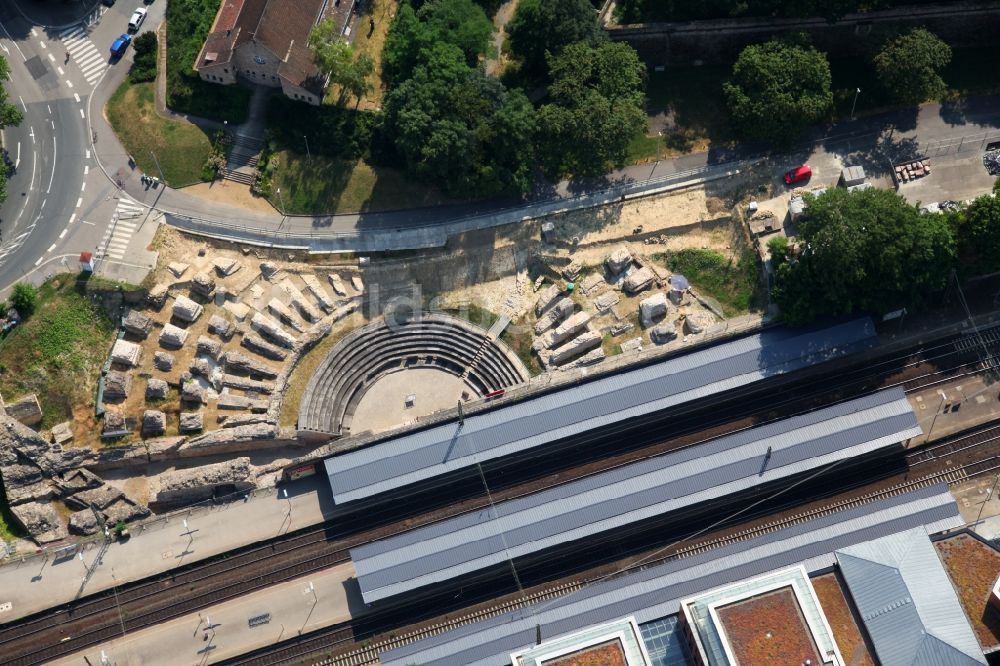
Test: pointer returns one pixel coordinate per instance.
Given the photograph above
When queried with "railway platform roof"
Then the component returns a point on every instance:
(671, 483)
(393, 464)
(656, 592)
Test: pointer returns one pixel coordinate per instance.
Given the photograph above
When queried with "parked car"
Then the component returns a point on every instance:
(120, 45)
(109, 3)
(138, 16)
(799, 174)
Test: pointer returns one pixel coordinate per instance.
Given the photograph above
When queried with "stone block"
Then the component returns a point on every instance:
(231, 401)
(41, 520)
(126, 353)
(117, 385)
(267, 269)
(272, 329)
(186, 310)
(260, 346)
(209, 347)
(564, 331)
(26, 410)
(191, 421)
(157, 296)
(221, 327)
(574, 347)
(225, 266)
(246, 384)
(337, 284)
(547, 298)
(62, 432)
(114, 425)
(284, 314)
(173, 337)
(177, 268)
(653, 308)
(592, 283)
(154, 423)
(319, 293)
(639, 280)
(137, 324)
(203, 285)
(606, 301)
(572, 271)
(83, 523)
(163, 361)
(633, 345)
(157, 389)
(192, 393)
(199, 483)
(239, 364)
(299, 301)
(238, 310)
(619, 260)
(663, 333)
(562, 309)
(358, 285)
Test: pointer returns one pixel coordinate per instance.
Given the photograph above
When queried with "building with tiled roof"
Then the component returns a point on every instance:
(266, 42)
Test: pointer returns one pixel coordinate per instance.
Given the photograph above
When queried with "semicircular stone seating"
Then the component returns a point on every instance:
(366, 355)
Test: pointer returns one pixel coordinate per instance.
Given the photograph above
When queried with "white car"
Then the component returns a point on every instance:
(137, 18)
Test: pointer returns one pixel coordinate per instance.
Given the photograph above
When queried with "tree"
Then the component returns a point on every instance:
(543, 27)
(909, 66)
(865, 251)
(10, 115)
(415, 31)
(144, 58)
(460, 129)
(334, 56)
(596, 107)
(23, 298)
(778, 249)
(977, 231)
(777, 89)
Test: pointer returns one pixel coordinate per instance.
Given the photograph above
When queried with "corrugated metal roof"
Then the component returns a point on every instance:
(657, 592)
(907, 602)
(631, 493)
(534, 422)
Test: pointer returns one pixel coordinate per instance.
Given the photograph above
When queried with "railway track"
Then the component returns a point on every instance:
(97, 619)
(368, 653)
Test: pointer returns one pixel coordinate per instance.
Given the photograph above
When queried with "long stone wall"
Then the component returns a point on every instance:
(961, 24)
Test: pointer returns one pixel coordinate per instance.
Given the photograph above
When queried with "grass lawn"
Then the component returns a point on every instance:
(181, 148)
(735, 285)
(691, 99)
(331, 185)
(383, 12)
(57, 353)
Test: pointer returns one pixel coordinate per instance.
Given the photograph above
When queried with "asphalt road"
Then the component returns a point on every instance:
(60, 203)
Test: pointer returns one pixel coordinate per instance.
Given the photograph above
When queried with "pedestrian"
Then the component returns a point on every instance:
(371, 27)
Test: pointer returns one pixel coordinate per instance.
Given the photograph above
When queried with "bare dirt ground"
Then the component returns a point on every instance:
(233, 194)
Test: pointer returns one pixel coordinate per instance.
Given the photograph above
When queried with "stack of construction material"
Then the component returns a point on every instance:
(913, 170)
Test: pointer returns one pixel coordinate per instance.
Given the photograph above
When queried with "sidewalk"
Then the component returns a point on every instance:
(39, 582)
(224, 631)
(52, 14)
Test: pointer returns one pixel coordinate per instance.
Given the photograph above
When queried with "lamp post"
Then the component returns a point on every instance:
(308, 154)
(281, 203)
(114, 586)
(857, 91)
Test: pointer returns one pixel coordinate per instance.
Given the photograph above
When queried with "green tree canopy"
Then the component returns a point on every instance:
(864, 251)
(24, 298)
(977, 231)
(541, 27)
(461, 23)
(909, 66)
(334, 56)
(460, 129)
(777, 89)
(596, 107)
(10, 115)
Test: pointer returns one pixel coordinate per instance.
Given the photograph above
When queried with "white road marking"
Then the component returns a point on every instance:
(88, 57)
(32, 135)
(76, 96)
(52, 57)
(5, 49)
(88, 154)
(39, 261)
(15, 43)
(55, 152)
(43, 45)
(86, 169)
(82, 114)
(69, 83)
(90, 223)
(23, 104)
(53, 123)
(44, 201)
(79, 202)
(72, 217)
(63, 234)
(83, 186)
(49, 108)
(51, 247)
(61, 72)
(17, 162)
(33, 33)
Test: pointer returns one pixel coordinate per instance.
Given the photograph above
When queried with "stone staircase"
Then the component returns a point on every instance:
(243, 159)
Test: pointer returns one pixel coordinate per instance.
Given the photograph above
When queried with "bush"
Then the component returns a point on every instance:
(144, 60)
(330, 130)
(24, 298)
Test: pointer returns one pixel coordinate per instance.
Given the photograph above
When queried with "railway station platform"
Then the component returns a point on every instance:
(237, 627)
(47, 580)
(953, 406)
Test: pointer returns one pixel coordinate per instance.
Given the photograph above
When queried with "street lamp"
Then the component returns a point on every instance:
(308, 154)
(857, 91)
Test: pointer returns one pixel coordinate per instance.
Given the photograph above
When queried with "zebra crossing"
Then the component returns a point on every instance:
(91, 61)
(126, 220)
